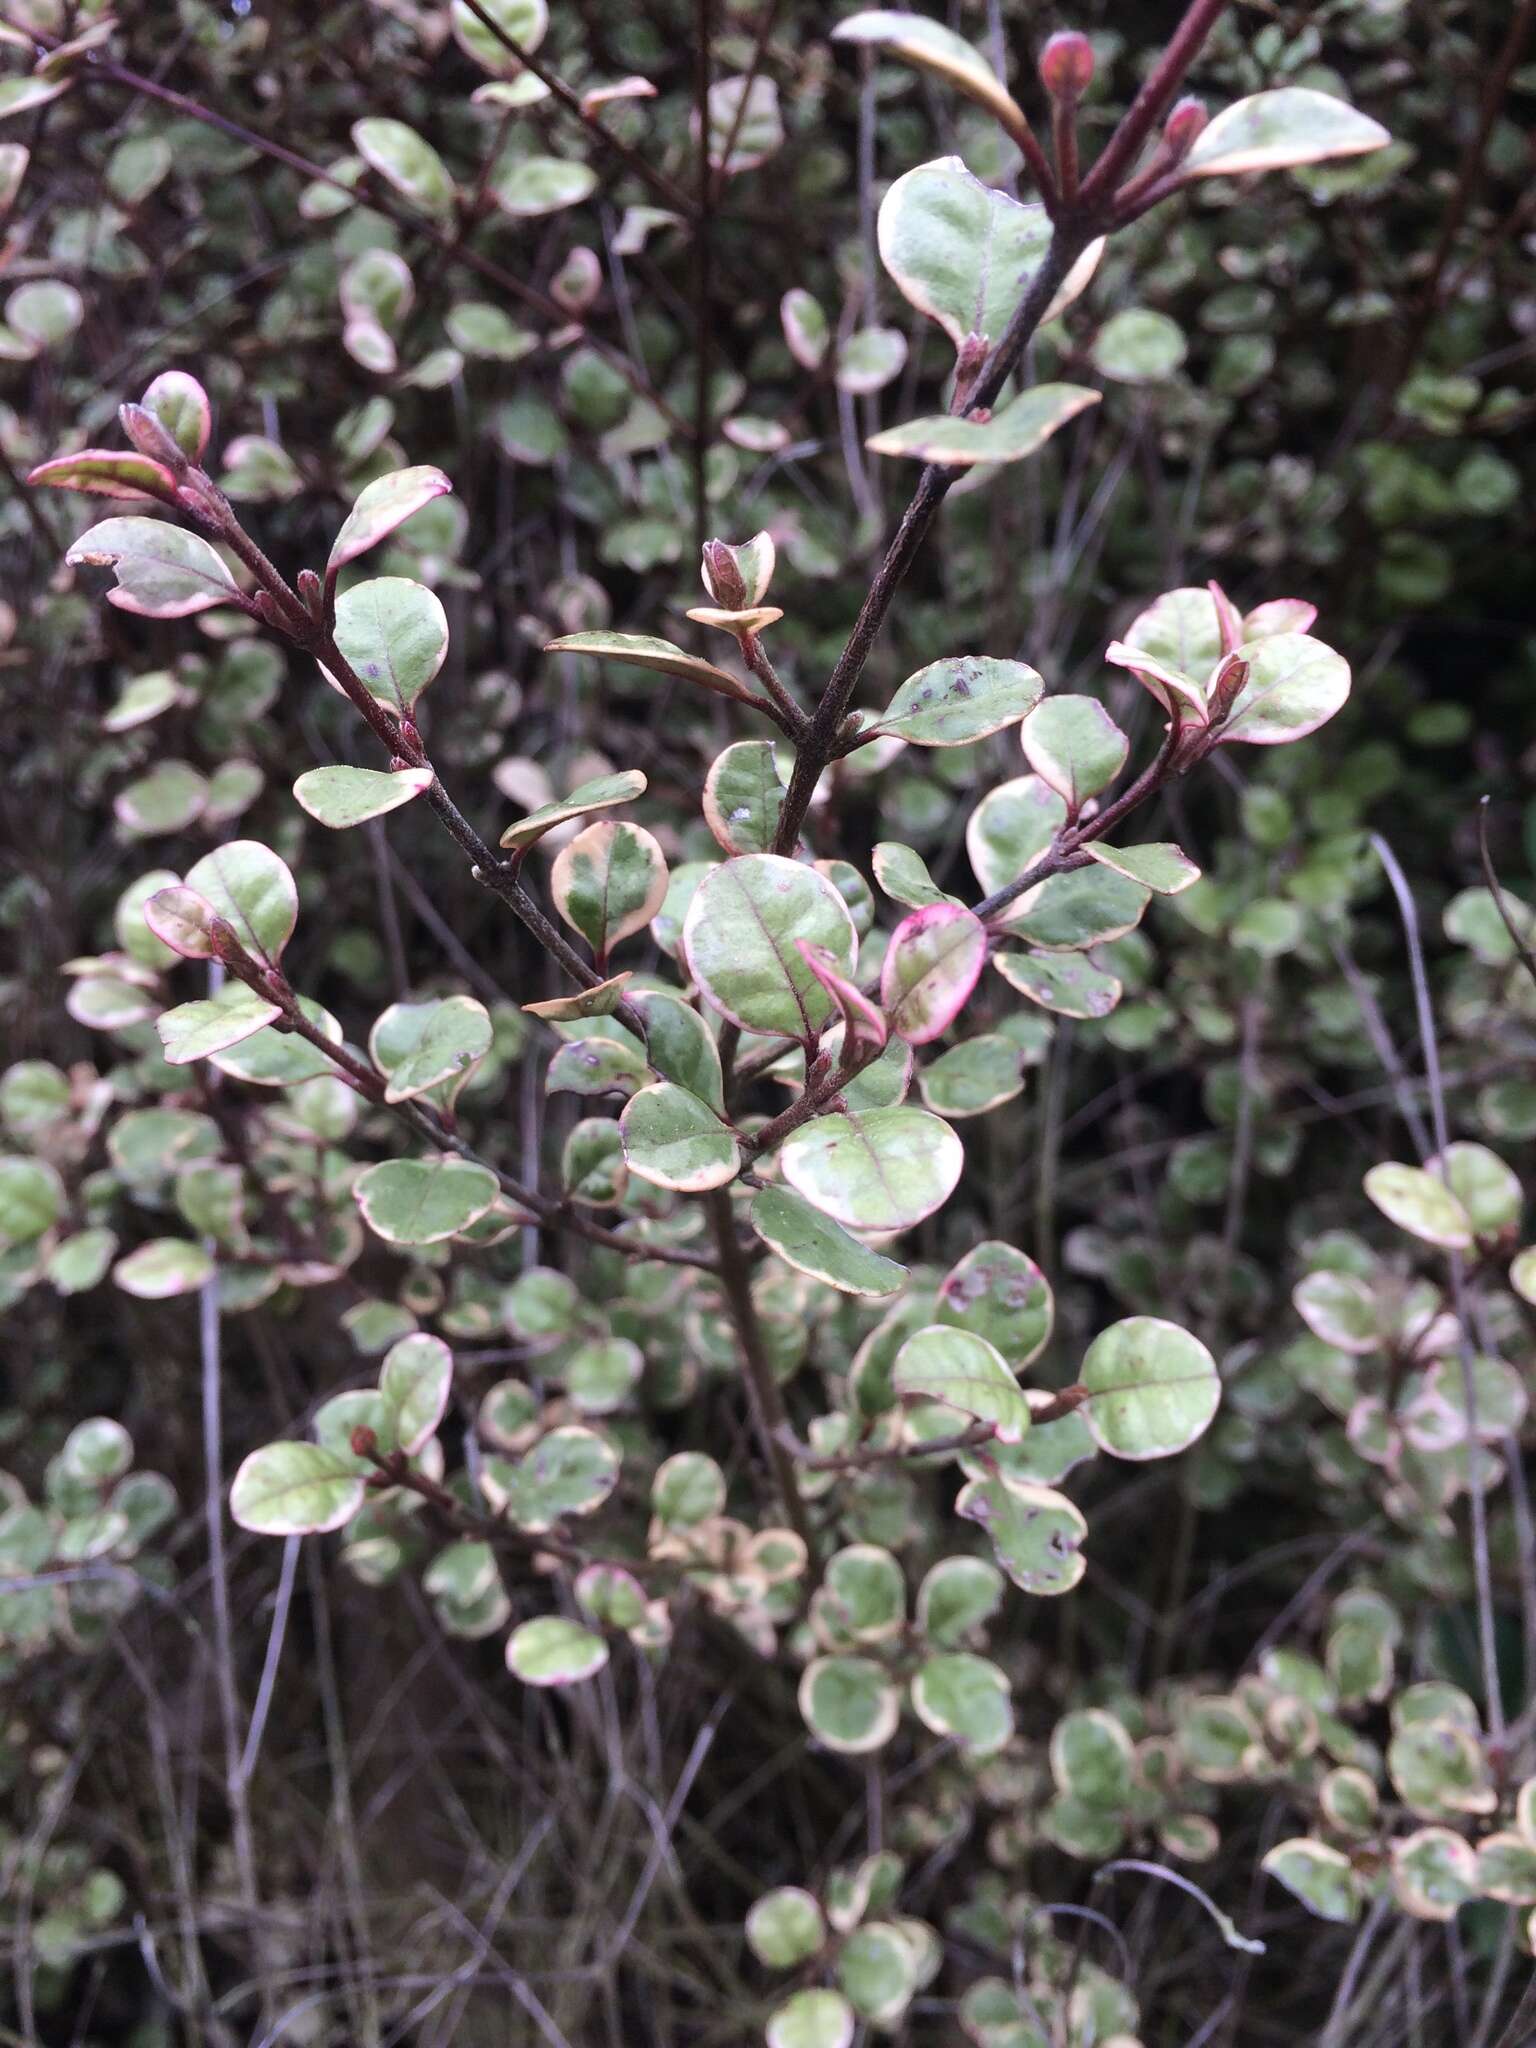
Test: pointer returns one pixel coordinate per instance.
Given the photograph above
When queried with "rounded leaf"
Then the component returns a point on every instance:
(296, 1489)
(609, 881)
(554, 1651)
(253, 891)
(674, 1140)
(883, 1169)
(739, 939)
(932, 963)
(953, 703)
(163, 572)
(849, 1704)
(423, 1201)
(393, 634)
(964, 1372)
(1154, 1388)
(967, 1697)
(1273, 131)
(785, 1928)
(341, 797)
(1420, 1203)
(383, 505)
(808, 1240)
(812, 2019)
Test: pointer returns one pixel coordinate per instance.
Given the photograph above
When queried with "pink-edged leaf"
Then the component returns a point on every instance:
(1280, 615)
(184, 921)
(163, 572)
(1229, 620)
(382, 506)
(931, 965)
(864, 1022)
(1163, 681)
(108, 473)
(181, 406)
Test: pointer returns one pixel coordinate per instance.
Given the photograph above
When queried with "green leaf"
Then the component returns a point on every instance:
(382, 506)
(295, 1489)
(1434, 1872)
(253, 891)
(679, 1045)
(743, 797)
(1010, 828)
(967, 1697)
(812, 2019)
(869, 359)
(522, 23)
(877, 1969)
(393, 634)
(1138, 346)
(974, 1077)
(674, 1140)
(31, 1199)
(958, 1595)
(423, 1201)
(849, 1704)
(80, 1262)
(1487, 1189)
(1093, 1759)
(1273, 131)
(601, 1376)
(571, 1471)
(194, 1030)
(600, 1000)
(1421, 1204)
(965, 1372)
(1000, 1294)
(415, 1380)
(1157, 865)
(1036, 1532)
(785, 1928)
(406, 161)
(934, 48)
(162, 1269)
(1506, 1868)
(477, 328)
(1340, 1309)
(806, 329)
(812, 1243)
(26, 95)
(1061, 984)
(420, 1046)
(1085, 907)
(162, 571)
(954, 702)
(180, 404)
(904, 876)
(1321, 1877)
(1022, 426)
(883, 1169)
(281, 1059)
(603, 793)
(609, 881)
(964, 254)
(739, 942)
(107, 473)
(531, 186)
(554, 1651)
(1074, 746)
(932, 963)
(340, 797)
(1295, 684)
(641, 650)
(688, 1488)
(1154, 1388)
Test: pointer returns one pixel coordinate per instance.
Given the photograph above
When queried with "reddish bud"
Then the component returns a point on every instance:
(722, 578)
(150, 438)
(364, 1442)
(1066, 65)
(1183, 126)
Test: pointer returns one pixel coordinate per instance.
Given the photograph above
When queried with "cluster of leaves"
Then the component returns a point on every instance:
(676, 1304)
